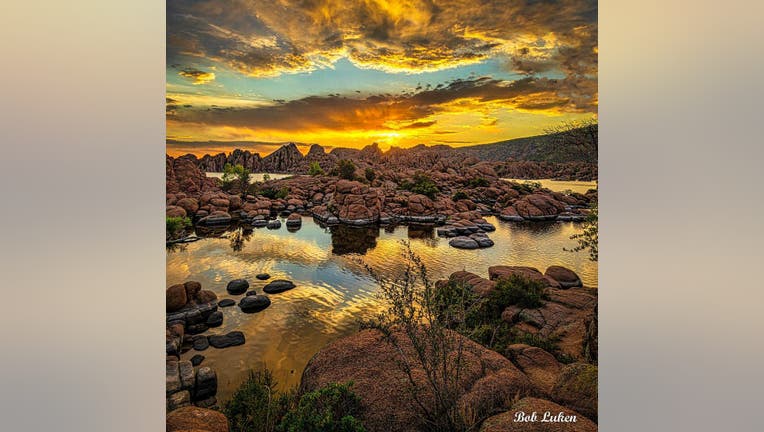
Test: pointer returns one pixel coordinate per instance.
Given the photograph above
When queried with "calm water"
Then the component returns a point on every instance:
(253, 177)
(562, 186)
(333, 291)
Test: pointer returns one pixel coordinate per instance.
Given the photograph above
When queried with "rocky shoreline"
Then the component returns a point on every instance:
(453, 194)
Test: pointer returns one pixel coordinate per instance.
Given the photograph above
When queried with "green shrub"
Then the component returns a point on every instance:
(346, 169)
(421, 184)
(257, 406)
(273, 193)
(478, 182)
(176, 224)
(236, 173)
(460, 196)
(370, 174)
(315, 169)
(516, 290)
(332, 408)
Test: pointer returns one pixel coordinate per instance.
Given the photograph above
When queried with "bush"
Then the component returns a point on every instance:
(518, 291)
(460, 196)
(370, 174)
(315, 169)
(176, 225)
(256, 406)
(421, 184)
(478, 182)
(332, 408)
(588, 238)
(346, 169)
(272, 193)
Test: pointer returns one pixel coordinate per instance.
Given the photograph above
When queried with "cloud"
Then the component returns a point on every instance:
(387, 112)
(196, 76)
(269, 38)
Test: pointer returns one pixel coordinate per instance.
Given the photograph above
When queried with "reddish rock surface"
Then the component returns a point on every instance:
(506, 421)
(194, 418)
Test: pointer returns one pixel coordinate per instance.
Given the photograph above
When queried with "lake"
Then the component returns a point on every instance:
(561, 185)
(254, 176)
(333, 289)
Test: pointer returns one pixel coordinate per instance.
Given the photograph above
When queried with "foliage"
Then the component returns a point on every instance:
(460, 195)
(370, 174)
(516, 290)
(236, 173)
(175, 225)
(478, 182)
(332, 408)
(588, 238)
(256, 406)
(346, 169)
(266, 177)
(421, 184)
(419, 315)
(315, 169)
(274, 193)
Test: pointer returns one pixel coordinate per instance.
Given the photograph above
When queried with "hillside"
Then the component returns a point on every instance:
(541, 148)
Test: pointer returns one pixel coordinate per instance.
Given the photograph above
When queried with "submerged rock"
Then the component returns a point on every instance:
(226, 303)
(237, 286)
(263, 276)
(201, 343)
(197, 359)
(274, 224)
(463, 242)
(254, 303)
(215, 319)
(233, 338)
(277, 286)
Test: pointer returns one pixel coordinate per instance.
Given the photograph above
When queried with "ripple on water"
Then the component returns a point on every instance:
(333, 289)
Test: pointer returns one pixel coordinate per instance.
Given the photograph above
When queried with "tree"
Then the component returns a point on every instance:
(239, 174)
(315, 169)
(576, 139)
(346, 169)
(588, 238)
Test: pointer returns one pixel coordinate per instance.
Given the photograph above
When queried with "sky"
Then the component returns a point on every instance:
(348, 73)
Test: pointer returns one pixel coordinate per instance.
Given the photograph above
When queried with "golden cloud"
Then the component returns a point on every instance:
(196, 76)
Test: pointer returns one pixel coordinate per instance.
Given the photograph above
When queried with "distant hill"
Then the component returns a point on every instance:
(540, 148)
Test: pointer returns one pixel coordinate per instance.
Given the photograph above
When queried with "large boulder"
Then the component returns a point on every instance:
(487, 380)
(566, 277)
(254, 303)
(175, 297)
(278, 285)
(505, 272)
(192, 418)
(568, 421)
(541, 367)
(237, 286)
(576, 387)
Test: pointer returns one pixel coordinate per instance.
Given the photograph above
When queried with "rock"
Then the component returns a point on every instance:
(175, 297)
(463, 242)
(505, 272)
(540, 366)
(510, 214)
(482, 240)
(206, 296)
(215, 218)
(192, 418)
(480, 286)
(197, 359)
(251, 293)
(190, 205)
(226, 303)
(194, 316)
(186, 374)
(206, 383)
(172, 377)
(233, 338)
(274, 224)
(195, 329)
(567, 278)
(506, 421)
(254, 303)
(277, 286)
(210, 402)
(175, 211)
(294, 220)
(576, 388)
(192, 290)
(263, 276)
(178, 400)
(487, 379)
(215, 319)
(237, 286)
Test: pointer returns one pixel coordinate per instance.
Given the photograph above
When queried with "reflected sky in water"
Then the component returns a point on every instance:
(333, 289)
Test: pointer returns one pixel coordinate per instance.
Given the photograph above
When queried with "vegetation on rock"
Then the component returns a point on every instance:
(315, 169)
(236, 173)
(176, 225)
(588, 238)
(333, 408)
(346, 169)
(421, 184)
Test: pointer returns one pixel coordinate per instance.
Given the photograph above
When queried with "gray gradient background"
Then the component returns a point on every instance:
(82, 187)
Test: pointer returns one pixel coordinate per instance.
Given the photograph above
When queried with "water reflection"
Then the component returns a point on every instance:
(353, 240)
(333, 289)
